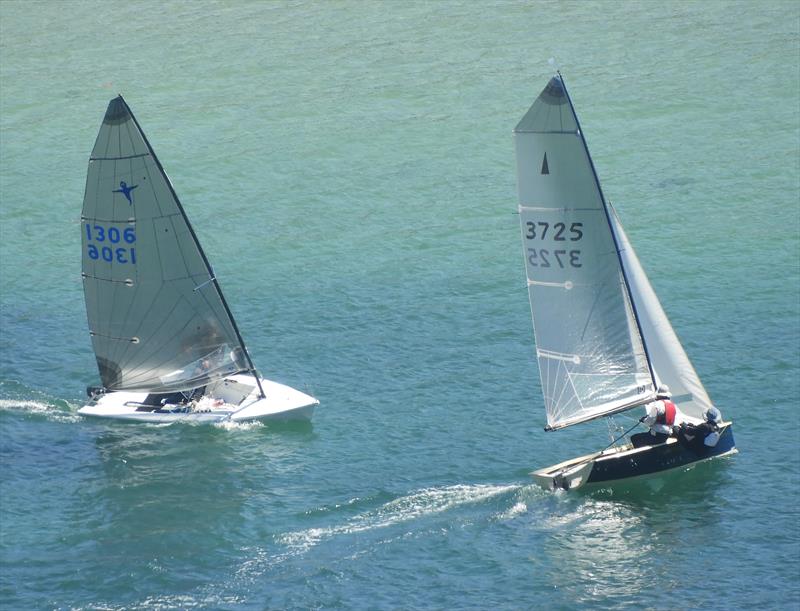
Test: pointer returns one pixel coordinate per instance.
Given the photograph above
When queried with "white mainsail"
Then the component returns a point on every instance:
(592, 359)
(667, 356)
(157, 317)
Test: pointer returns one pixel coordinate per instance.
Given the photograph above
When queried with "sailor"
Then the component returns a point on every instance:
(703, 436)
(662, 413)
(661, 416)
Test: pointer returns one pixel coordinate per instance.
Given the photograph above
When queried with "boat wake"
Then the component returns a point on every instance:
(503, 501)
(421, 504)
(59, 411)
(230, 425)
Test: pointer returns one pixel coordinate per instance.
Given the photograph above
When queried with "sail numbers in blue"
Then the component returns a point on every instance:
(108, 238)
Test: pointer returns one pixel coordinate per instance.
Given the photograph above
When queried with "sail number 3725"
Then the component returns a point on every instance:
(557, 232)
(110, 244)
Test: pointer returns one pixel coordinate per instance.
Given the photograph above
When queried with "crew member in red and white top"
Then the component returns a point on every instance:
(661, 416)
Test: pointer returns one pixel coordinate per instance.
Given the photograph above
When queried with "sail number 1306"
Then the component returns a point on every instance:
(110, 244)
(557, 232)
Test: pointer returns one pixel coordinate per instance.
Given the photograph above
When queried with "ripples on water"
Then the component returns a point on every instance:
(349, 170)
(198, 521)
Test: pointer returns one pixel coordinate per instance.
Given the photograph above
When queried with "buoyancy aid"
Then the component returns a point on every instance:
(667, 414)
(661, 416)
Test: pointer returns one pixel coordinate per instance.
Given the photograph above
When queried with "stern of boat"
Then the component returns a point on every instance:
(567, 475)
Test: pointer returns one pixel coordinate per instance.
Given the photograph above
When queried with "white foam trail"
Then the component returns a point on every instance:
(39, 407)
(518, 509)
(170, 601)
(229, 425)
(425, 502)
(422, 503)
(29, 406)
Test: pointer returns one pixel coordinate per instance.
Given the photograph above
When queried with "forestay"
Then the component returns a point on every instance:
(668, 358)
(592, 359)
(157, 319)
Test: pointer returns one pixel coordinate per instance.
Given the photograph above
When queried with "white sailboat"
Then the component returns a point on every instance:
(603, 342)
(166, 343)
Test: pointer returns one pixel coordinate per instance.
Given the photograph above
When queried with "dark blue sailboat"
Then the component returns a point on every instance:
(603, 342)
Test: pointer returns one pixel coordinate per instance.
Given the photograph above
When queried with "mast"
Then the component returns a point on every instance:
(613, 235)
(212, 276)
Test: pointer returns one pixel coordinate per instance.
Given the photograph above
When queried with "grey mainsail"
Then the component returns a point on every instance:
(157, 318)
(592, 358)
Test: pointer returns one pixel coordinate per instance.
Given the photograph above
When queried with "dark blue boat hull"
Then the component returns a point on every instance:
(657, 458)
(626, 463)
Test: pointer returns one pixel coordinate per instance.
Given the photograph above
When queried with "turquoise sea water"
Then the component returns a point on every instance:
(349, 169)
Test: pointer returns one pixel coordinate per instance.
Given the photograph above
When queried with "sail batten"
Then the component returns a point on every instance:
(573, 132)
(551, 208)
(592, 358)
(119, 158)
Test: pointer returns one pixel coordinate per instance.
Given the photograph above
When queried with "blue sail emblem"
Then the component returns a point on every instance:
(125, 190)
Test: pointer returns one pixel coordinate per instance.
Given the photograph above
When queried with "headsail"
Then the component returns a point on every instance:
(592, 358)
(670, 362)
(157, 318)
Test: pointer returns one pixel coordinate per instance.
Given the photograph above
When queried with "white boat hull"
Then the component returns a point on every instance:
(281, 403)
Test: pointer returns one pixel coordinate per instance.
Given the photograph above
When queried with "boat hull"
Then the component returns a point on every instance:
(626, 463)
(281, 403)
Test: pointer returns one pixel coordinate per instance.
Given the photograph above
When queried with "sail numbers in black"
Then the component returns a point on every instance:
(556, 232)
(540, 230)
(542, 257)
